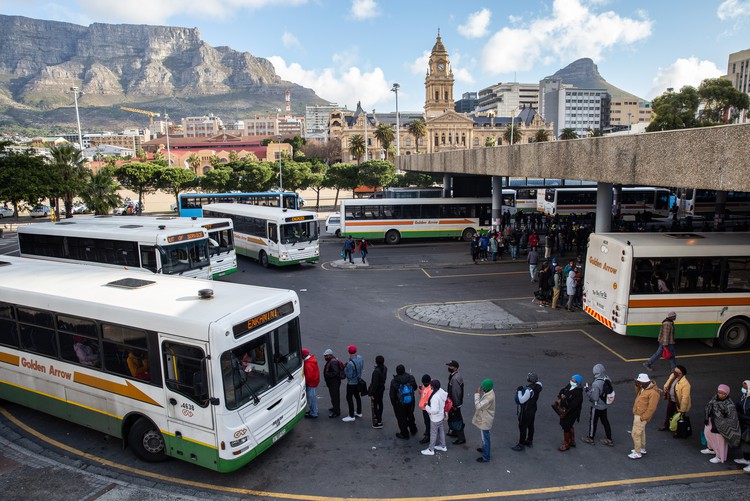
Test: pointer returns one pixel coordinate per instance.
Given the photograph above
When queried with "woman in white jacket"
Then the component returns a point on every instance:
(436, 409)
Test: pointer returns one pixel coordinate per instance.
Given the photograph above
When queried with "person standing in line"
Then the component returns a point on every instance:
(532, 258)
(456, 392)
(484, 415)
(526, 399)
(353, 370)
(401, 393)
(364, 247)
(722, 426)
(598, 407)
(666, 338)
(436, 409)
(348, 248)
(743, 414)
(557, 287)
(474, 248)
(493, 245)
(332, 374)
(570, 286)
(570, 400)
(377, 388)
(644, 406)
(483, 243)
(425, 390)
(677, 395)
(312, 380)
(548, 245)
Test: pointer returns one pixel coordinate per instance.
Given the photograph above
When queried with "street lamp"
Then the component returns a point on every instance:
(169, 155)
(629, 114)
(78, 117)
(395, 89)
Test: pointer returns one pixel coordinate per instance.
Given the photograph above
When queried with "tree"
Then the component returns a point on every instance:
(194, 162)
(254, 176)
(70, 173)
(296, 175)
(357, 146)
(24, 177)
(100, 194)
(675, 110)
(594, 133)
(141, 154)
(489, 142)
(233, 156)
(159, 157)
(722, 103)
(568, 133)
(216, 180)
(512, 132)
(418, 179)
(376, 173)
(139, 177)
(215, 161)
(418, 129)
(384, 134)
(328, 152)
(317, 176)
(541, 136)
(341, 176)
(175, 180)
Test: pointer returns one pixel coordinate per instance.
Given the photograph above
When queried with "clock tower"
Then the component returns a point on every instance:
(439, 82)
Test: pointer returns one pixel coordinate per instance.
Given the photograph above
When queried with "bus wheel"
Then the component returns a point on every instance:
(263, 258)
(147, 442)
(392, 237)
(734, 334)
(468, 234)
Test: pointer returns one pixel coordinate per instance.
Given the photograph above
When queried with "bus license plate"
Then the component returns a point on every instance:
(278, 436)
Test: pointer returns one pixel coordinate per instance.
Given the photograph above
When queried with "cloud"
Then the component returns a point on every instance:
(476, 25)
(290, 41)
(690, 71)
(364, 9)
(730, 9)
(570, 32)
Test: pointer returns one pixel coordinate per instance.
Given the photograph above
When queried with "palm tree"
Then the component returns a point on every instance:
(568, 133)
(542, 135)
(514, 131)
(418, 129)
(194, 162)
(384, 134)
(357, 146)
(489, 142)
(71, 172)
(100, 195)
(594, 133)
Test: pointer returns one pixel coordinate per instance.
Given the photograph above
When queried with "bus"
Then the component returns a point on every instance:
(632, 280)
(526, 197)
(693, 202)
(280, 237)
(182, 251)
(206, 372)
(190, 204)
(220, 236)
(396, 219)
(582, 201)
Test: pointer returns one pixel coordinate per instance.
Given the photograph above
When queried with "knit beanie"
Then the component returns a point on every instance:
(487, 384)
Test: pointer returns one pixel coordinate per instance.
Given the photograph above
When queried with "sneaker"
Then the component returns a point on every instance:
(648, 367)
(517, 447)
(715, 460)
(357, 415)
(348, 419)
(635, 455)
(746, 468)
(708, 451)
(742, 461)
(428, 452)
(642, 451)
(607, 441)
(425, 440)
(588, 440)
(441, 448)
(377, 426)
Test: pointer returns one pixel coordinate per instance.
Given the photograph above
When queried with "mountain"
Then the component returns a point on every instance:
(155, 68)
(583, 73)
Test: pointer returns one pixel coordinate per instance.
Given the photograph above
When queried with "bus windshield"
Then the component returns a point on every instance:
(224, 241)
(184, 256)
(305, 231)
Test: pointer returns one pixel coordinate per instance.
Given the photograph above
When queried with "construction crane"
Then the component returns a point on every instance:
(150, 114)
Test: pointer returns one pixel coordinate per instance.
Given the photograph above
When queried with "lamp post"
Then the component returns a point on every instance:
(169, 155)
(629, 114)
(75, 91)
(395, 89)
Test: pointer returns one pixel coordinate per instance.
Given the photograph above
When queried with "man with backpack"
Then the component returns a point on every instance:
(601, 394)
(526, 398)
(401, 393)
(333, 373)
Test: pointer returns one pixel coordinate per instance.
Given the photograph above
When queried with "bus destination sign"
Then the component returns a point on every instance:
(296, 219)
(260, 320)
(185, 237)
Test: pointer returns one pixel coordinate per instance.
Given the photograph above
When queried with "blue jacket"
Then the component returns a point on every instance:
(353, 369)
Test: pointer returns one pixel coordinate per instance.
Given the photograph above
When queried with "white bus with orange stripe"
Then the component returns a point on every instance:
(565, 201)
(272, 235)
(632, 280)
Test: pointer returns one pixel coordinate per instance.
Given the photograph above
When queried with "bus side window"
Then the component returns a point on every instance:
(148, 257)
(273, 233)
(8, 333)
(184, 370)
(736, 276)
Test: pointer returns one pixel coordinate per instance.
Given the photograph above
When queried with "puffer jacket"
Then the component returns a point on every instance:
(646, 401)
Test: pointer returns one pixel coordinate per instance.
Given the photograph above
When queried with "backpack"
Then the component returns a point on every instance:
(551, 280)
(608, 392)
(448, 404)
(405, 395)
(342, 374)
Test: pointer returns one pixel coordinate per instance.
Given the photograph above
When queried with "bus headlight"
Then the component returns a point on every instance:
(284, 256)
(237, 443)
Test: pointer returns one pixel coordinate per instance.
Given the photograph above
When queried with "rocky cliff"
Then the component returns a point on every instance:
(584, 73)
(150, 67)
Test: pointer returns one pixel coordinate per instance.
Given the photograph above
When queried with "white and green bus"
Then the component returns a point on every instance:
(206, 372)
(272, 235)
(632, 280)
(182, 251)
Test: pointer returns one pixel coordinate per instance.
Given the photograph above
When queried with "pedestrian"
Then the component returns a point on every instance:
(493, 246)
(348, 248)
(425, 390)
(312, 380)
(526, 399)
(401, 393)
(644, 406)
(743, 414)
(557, 287)
(513, 244)
(721, 425)
(568, 406)
(546, 283)
(598, 398)
(666, 339)
(677, 394)
(436, 409)
(377, 388)
(570, 286)
(333, 373)
(548, 245)
(353, 370)
(456, 392)
(532, 258)
(474, 248)
(484, 415)
(483, 243)
(363, 249)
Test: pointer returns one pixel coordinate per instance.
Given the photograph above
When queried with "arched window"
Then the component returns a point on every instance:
(436, 139)
(476, 141)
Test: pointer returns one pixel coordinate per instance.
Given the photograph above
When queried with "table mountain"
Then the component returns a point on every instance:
(583, 73)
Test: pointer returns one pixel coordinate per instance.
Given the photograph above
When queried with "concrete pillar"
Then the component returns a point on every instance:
(603, 208)
(447, 181)
(720, 209)
(497, 201)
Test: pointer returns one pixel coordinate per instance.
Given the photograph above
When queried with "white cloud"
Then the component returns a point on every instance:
(570, 32)
(364, 9)
(290, 41)
(345, 87)
(729, 9)
(690, 71)
(476, 25)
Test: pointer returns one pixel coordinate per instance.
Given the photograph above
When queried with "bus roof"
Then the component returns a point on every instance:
(415, 201)
(86, 228)
(151, 221)
(238, 193)
(257, 210)
(165, 303)
(681, 244)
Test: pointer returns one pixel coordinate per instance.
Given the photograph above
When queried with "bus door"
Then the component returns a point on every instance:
(484, 213)
(187, 387)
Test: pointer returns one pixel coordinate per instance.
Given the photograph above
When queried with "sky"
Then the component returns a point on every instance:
(351, 51)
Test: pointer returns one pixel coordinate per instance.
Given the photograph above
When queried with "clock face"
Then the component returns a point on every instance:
(441, 67)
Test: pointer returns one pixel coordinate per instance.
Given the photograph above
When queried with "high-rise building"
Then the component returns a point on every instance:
(574, 108)
(467, 103)
(316, 121)
(507, 99)
(738, 68)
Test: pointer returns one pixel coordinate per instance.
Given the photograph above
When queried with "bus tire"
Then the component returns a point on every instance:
(147, 442)
(263, 258)
(734, 334)
(468, 234)
(392, 237)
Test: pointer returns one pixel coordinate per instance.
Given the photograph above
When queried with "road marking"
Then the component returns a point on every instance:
(474, 275)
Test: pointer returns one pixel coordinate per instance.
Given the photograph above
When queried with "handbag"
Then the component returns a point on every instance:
(343, 254)
(362, 387)
(673, 422)
(684, 430)
(559, 410)
(665, 353)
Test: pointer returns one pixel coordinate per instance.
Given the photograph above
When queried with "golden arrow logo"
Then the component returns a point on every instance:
(126, 390)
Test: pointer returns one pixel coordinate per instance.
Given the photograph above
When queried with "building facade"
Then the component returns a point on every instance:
(738, 70)
(506, 99)
(568, 107)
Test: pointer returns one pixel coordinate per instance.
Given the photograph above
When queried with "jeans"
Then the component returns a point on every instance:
(486, 443)
(657, 355)
(364, 255)
(514, 251)
(312, 400)
(532, 272)
(352, 393)
(377, 407)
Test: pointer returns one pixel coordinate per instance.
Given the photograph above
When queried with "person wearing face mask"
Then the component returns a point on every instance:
(722, 426)
(644, 406)
(743, 413)
(570, 400)
(677, 395)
